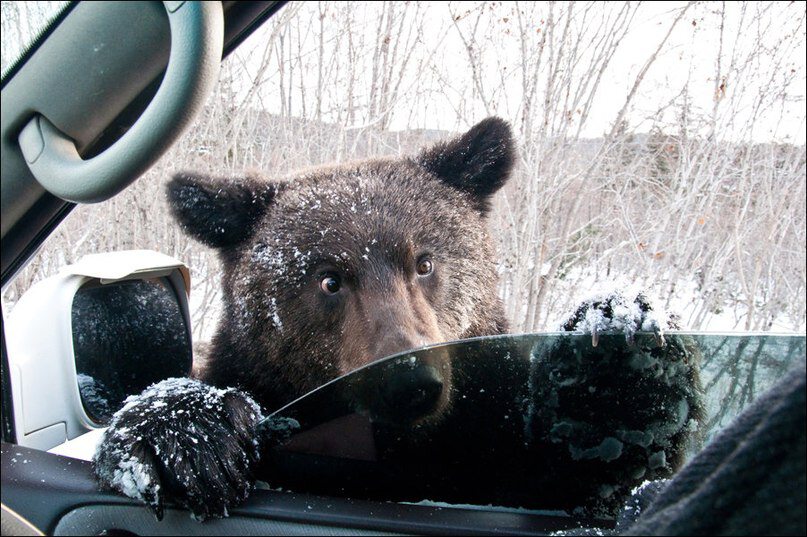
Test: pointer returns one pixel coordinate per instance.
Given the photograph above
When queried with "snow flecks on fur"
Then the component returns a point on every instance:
(268, 257)
(282, 260)
(273, 312)
(205, 435)
(131, 477)
(610, 311)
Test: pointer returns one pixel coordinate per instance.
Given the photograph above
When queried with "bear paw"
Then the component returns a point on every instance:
(185, 441)
(617, 414)
(619, 311)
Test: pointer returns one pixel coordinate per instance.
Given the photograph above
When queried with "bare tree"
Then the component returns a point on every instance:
(693, 193)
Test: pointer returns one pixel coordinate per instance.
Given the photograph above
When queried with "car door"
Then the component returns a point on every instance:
(341, 460)
(67, 102)
(59, 494)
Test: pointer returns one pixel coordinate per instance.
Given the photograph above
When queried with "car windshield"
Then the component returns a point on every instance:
(515, 409)
(22, 24)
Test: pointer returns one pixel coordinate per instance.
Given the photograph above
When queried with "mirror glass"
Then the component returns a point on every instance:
(126, 336)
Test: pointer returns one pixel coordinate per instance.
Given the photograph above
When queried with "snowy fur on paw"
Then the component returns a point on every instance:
(615, 413)
(617, 311)
(184, 441)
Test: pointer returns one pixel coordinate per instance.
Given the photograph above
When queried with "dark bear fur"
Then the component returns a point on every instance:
(322, 274)
(368, 224)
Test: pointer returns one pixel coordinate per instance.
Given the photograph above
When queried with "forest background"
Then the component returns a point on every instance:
(661, 144)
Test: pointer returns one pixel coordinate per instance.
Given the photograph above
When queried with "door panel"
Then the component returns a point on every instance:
(59, 495)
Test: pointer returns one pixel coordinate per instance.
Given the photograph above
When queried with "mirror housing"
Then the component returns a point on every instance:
(86, 331)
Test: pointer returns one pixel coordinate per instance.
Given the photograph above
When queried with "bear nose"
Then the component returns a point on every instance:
(413, 393)
(393, 343)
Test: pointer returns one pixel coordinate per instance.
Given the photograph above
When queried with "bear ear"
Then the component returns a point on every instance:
(478, 162)
(219, 212)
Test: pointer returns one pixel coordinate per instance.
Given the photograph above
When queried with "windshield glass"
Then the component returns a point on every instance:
(22, 23)
(545, 421)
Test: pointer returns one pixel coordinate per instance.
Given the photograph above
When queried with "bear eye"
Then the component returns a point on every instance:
(330, 284)
(425, 267)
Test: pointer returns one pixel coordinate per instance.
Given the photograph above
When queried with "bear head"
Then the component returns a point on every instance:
(335, 267)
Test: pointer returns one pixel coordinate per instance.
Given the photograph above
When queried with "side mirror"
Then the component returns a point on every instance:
(82, 341)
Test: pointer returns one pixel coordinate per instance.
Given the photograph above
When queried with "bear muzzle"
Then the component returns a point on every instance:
(407, 389)
(414, 394)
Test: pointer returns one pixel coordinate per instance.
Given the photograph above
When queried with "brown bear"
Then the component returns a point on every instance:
(339, 266)
(322, 274)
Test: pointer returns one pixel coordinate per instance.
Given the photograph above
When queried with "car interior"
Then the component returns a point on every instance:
(82, 120)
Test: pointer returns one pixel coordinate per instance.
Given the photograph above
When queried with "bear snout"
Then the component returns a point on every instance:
(413, 394)
(394, 341)
(406, 392)
(387, 320)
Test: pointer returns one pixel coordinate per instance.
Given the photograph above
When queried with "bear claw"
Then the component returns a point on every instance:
(184, 441)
